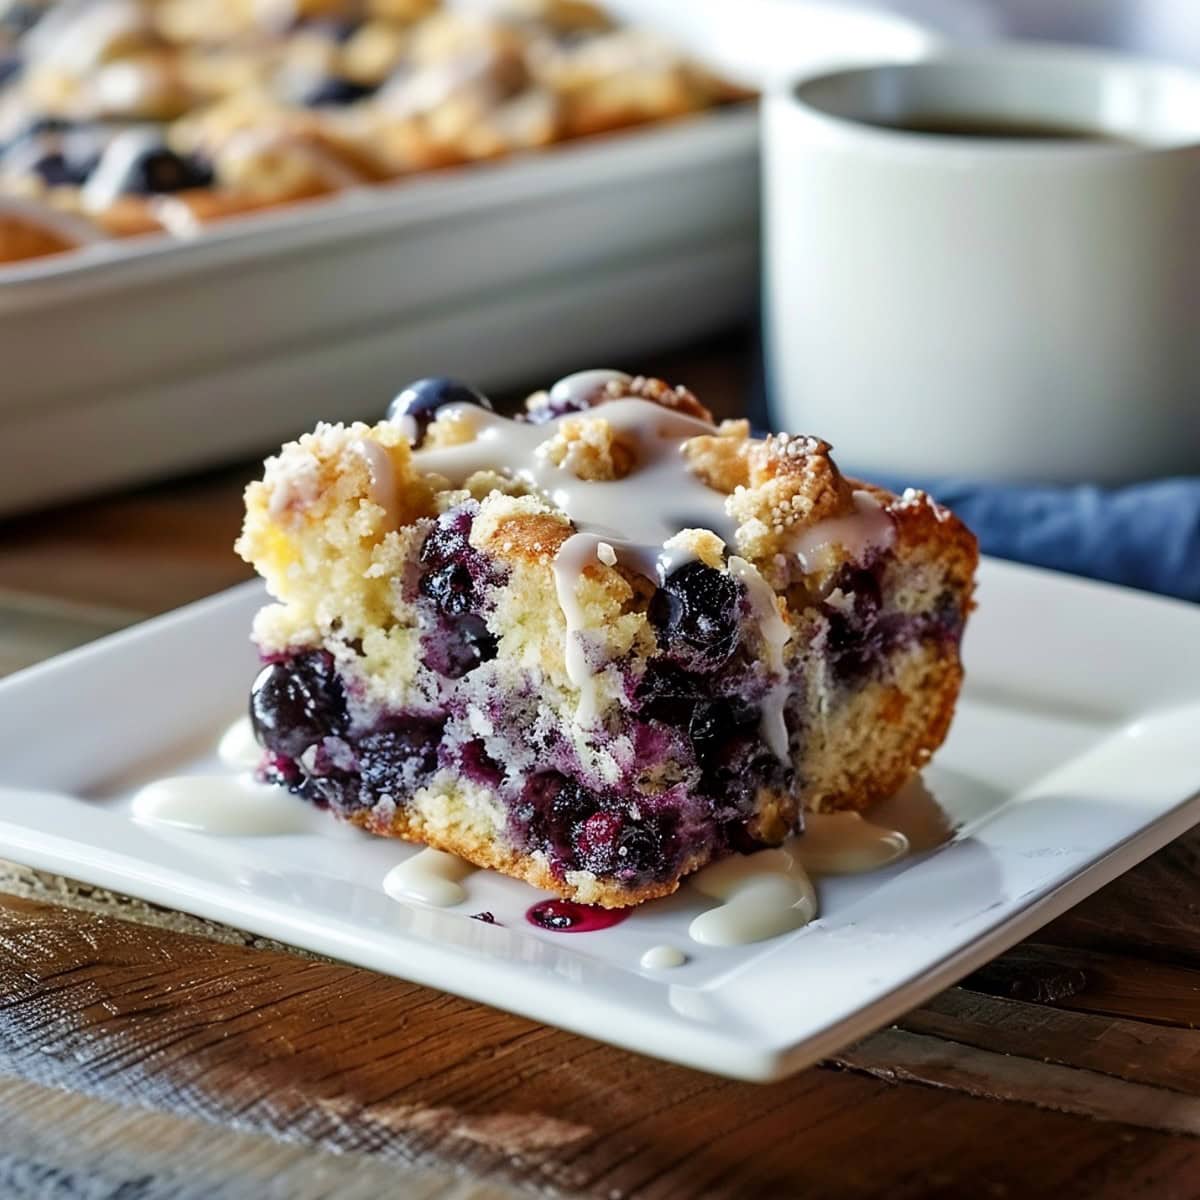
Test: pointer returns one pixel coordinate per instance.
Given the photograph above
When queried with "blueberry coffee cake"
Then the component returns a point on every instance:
(161, 115)
(599, 644)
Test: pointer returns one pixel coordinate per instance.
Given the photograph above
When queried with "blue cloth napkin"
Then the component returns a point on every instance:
(1144, 536)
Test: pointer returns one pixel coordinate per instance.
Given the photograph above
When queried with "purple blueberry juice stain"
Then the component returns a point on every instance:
(565, 916)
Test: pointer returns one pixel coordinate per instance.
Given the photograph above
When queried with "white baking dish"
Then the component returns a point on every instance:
(138, 359)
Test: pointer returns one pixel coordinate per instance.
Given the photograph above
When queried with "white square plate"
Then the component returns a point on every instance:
(1075, 753)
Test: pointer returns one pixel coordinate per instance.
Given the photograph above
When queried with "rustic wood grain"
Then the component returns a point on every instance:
(168, 1057)
(73, 1147)
(1153, 913)
(1096, 981)
(337, 1058)
(1161, 1056)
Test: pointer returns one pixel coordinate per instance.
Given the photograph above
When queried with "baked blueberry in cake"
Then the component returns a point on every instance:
(600, 644)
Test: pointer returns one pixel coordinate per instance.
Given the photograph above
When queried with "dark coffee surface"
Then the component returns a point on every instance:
(996, 128)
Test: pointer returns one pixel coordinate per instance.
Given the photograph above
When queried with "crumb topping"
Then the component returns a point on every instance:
(590, 449)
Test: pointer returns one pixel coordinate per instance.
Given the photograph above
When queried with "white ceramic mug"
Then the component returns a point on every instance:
(1008, 309)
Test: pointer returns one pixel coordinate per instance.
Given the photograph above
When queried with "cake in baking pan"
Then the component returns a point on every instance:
(163, 115)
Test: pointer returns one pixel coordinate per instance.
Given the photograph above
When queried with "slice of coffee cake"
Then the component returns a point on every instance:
(601, 644)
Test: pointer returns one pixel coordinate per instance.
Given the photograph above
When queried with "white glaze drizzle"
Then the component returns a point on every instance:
(771, 892)
(126, 87)
(776, 633)
(238, 747)
(655, 562)
(582, 385)
(176, 216)
(631, 521)
(859, 532)
(762, 896)
(383, 477)
(433, 877)
(76, 36)
(661, 498)
(573, 556)
(407, 424)
(846, 844)
(224, 805)
(108, 181)
(663, 958)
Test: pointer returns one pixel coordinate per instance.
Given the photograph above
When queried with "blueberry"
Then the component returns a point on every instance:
(715, 722)
(296, 702)
(333, 89)
(599, 833)
(449, 539)
(400, 760)
(477, 765)
(450, 588)
(56, 152)
(40, 125)
(698, 606)
(56, 170)
(161, 170)
(454, 576)
(475, 645)
(18, 18)
(668, 694)
(422, 399)
(578, 829)
(34, 132)
(572, 807)
(857, 640)
(639, 851)
(709, 720)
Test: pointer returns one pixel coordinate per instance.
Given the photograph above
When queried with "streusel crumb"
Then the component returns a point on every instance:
(590, 449)
(793, 484)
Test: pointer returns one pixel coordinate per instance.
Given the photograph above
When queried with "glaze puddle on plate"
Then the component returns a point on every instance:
(429, 877)
(220, 805)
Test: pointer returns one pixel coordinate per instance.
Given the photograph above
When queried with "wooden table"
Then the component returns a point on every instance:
(146, 1054)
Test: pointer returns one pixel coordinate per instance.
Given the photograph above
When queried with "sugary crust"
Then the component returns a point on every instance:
(721, 459)
(936, 549)
(520, 530)
(792, 484)
(678, 398)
